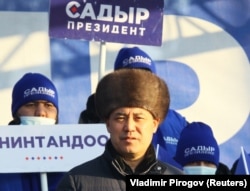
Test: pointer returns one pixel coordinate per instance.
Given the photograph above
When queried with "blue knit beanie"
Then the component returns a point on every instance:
(134, 58)
(31, 87)
(197, 143)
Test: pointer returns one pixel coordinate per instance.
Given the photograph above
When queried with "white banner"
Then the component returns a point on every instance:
(50, 148)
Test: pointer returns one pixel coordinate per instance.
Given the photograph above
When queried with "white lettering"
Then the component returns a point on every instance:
(105, 13)
(79, 25)
(134, 15)
(189, 184)
(133, 31)
(141, 14)
(115, 29)
(148, 182)
(71, 25)
(120, 16)
(88, 11)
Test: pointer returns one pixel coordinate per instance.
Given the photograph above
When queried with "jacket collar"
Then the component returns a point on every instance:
(117, 161)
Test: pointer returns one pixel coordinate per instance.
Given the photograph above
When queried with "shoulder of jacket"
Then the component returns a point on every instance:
(165, 168)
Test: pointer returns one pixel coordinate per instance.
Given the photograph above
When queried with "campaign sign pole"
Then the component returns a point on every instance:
(102, 60)
(44, 181)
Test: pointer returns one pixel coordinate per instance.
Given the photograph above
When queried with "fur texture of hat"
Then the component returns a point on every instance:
(132, 88)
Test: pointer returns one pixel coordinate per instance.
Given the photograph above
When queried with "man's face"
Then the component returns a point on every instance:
(39, 108)
(131, 131)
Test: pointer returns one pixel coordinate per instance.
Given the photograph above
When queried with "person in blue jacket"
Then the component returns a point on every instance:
(34, 102)
(166, 138)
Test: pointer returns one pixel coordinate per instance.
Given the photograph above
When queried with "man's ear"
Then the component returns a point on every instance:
(107, 125)
(156, 123)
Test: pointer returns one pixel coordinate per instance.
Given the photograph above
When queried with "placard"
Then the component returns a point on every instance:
(49, 148)
(126, 21)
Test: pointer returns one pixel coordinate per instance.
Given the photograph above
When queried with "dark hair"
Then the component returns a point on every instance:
(89, 115)
(222, 169)
(15, 121)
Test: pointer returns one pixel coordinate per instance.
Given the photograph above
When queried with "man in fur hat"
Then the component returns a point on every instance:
(132, 103)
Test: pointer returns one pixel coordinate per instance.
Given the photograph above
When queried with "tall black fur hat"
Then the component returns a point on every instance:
(132, 88)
